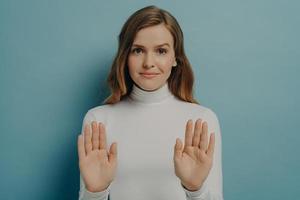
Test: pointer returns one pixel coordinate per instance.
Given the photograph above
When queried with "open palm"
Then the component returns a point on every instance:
(193, 161)
(97, 165)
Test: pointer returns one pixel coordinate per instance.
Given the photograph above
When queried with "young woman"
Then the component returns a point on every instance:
(151, 107)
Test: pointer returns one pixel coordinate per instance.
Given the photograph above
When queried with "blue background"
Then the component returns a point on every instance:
(55, 57)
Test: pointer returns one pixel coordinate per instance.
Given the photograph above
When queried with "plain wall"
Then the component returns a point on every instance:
(55, 57)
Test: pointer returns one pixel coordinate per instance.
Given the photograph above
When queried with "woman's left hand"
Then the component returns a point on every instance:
(194, 161)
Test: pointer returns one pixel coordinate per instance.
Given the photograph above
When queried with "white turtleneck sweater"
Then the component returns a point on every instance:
(145, 125)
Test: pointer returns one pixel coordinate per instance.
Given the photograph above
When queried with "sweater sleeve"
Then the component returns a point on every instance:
(212, 188)
(84, 194)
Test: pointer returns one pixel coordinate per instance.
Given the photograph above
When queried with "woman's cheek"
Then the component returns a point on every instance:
(133, 63)
(166, 63)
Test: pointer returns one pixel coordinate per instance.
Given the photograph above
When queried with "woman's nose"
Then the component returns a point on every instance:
(148, 61)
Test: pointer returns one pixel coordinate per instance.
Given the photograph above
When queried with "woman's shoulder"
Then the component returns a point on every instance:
(198, 110)
(194, 107)
(205, 113)
(101, 109)
(105, 109)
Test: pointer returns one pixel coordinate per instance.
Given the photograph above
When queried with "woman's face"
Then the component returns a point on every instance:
(151, 53)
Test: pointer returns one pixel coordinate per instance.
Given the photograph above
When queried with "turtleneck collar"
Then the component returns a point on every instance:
(150, 97)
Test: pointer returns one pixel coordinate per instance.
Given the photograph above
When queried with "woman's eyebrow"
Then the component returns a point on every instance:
(138, 45)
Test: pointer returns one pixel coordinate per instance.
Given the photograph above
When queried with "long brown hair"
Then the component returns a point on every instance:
(181, 79)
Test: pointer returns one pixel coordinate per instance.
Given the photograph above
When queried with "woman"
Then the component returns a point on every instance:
(151, 107)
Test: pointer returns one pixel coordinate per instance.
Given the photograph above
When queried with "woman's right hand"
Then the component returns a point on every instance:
(97, 165)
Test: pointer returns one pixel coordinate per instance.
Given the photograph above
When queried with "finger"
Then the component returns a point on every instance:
(203, 139)
(95, 137)
(102, 133)
(211, 146)
(178, 149)
(197, 133)
(87, 139)
(113, 152)
(188, 133)
(80, 145)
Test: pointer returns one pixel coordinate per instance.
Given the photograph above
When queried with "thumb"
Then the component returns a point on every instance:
(113, 152)
(178, 148)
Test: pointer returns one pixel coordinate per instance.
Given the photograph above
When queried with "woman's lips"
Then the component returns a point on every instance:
(149, 75)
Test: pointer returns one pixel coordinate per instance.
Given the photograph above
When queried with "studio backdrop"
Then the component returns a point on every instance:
(55, 57)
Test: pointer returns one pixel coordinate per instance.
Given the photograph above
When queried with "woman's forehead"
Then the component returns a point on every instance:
(153, 36)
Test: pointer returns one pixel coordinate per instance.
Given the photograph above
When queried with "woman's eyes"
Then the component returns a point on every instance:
(162, 51)
(159, 51)
(136, 50)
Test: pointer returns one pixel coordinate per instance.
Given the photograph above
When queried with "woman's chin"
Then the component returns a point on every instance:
(150, 86)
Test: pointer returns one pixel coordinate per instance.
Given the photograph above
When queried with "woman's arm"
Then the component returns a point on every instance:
(90, 148)
(212, 188)
(84, 194)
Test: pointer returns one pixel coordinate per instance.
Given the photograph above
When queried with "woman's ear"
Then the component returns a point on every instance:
(174, 64)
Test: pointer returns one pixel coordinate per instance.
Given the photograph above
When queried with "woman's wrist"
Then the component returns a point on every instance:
(98, 189)
(191, 187)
